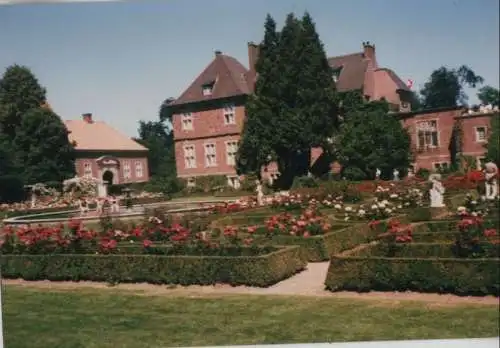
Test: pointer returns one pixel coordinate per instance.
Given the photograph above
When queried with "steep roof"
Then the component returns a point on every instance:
(225, 73)
(352, 75)
(98, 135)
(394, 77)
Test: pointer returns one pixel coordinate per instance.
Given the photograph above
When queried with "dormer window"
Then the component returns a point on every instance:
(207, 89)
(336, 73)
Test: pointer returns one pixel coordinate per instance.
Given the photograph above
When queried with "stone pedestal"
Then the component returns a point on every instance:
(102, 190)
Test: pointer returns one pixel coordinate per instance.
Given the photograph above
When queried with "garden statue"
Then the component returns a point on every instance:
(260, 194)
(395, 175)
(83, 206)
(437, 191)
(115, 205)
(411, 174)
(378, 172)
(491, 183)
(99, 206)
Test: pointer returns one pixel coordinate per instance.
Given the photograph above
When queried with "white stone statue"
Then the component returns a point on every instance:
(395, 175)
(83, 206)
(378, 172)
(437, 191)
(411, 174)
(115, 205)
(260, 194)
(491, 183)
(99, 206)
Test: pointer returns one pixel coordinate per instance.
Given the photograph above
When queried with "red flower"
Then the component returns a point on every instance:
(147, 243)
(490, 232)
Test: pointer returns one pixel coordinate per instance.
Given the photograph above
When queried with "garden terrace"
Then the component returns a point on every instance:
(415, 267)
(260, 267)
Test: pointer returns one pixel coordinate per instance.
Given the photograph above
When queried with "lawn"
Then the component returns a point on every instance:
(93, 318)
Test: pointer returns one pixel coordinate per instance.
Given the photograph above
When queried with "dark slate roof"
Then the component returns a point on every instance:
(228, 76)
(352, 75)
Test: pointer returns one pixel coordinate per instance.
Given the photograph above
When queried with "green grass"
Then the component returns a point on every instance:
(116, 318)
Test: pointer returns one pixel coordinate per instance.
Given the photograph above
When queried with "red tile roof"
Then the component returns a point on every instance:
(98, 135)
(228, 76)
(352, 75)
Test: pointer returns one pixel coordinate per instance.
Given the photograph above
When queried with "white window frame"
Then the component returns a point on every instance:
(207, 91)
(476, 133)
(189, 156)
(127, 170)
(430, 130)
(139, 169)
(210, 154)
(87, 169)
(229, 113)
(187, 121)
(231, 152)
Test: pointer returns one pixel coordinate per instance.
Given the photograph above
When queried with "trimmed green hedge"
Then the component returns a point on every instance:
(445, 225)
(418, 268)
(260, 271)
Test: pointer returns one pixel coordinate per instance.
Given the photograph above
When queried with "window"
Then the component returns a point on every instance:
(231, 149)
(480, 134)
(189, 156)
(233, 181)
(187, 121)
(126, 170)
(138, 169)
(207, 90)
(440, 166)
(87, 169)
(210, 155)
(229, 115)
(428, 136)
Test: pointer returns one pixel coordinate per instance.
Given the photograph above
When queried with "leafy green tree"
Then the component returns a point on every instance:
(42, 148)
(293, 107)
(445, 87)
(493, 147)
(370, 139)
(160, 141)
(489, 95)
(20, 92)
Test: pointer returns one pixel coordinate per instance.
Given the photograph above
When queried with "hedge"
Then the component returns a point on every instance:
(418, 267)
(259, 271)
(445, 225)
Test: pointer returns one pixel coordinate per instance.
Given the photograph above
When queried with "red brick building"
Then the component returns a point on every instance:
(435, 137)
(103, 152)
(208, 117)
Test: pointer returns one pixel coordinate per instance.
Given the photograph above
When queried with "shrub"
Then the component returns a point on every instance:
(305, 181)
(419, 214)
(262, 271)
(417, 267)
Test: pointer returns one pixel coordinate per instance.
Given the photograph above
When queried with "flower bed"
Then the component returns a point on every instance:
(155, 253)
(415, 267)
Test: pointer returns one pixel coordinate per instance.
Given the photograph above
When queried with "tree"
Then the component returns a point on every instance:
(160, 141)
(20, 92)
(42, 148)
(293, 107)
(489, 95)
(371, 139)
(445, 87)
(493, 147)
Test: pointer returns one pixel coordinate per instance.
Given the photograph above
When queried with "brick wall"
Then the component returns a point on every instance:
(98, 171)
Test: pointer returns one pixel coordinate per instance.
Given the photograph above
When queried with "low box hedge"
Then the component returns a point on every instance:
(418, 267)
(260, 271)
(445, 225)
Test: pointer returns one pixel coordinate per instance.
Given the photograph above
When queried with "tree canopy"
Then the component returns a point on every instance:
(489, 95)
(159, 139)
(445, 87)
(493, 147)
(293, 107)
(370, 139)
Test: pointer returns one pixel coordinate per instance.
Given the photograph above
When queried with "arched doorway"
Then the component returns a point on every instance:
(107, 177)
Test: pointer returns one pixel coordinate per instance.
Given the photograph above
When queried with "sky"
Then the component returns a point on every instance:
(121, 60)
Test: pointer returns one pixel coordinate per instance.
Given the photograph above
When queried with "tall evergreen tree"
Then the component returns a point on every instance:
(20, 92)
(493, 147)
(293, 107)
(42, 148)
(160, 142)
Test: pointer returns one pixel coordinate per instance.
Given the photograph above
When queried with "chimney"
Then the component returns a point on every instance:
(369, 53)
(87, 117)
(217, 53)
